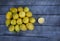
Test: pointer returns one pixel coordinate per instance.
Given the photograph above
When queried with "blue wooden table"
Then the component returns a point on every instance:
(48, 9)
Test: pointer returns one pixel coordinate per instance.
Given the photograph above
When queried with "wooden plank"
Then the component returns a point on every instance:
(53, 20)
(30, 2)
(15, 38)
(43, 31)
(48, 10)
(2, 19)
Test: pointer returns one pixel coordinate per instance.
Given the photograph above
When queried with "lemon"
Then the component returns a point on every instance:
(32, 20)
(25, 20)
(29, 14)
(11, 28)
(22, 14)
(26, 9)
(19, 21)
(13, 9)
(15, 16)
(23, 27)
(20, 9)
(8, 15)
(30, 26)
(8, 22)
(13, 22)
(17, 29)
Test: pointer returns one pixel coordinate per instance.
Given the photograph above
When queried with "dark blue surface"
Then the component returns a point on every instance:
(49, 31)
(35, 9)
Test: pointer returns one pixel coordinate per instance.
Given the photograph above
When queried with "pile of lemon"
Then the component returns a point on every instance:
(19, 19)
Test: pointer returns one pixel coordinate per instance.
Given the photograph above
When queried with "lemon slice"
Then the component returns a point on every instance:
(41, 20)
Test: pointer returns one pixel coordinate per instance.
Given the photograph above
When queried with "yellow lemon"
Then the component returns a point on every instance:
(15, 16)
(17, 29)
(26, 9)
(32, 20)
(13, 22)
(22, 14)
(13, 9)
(29, 14)
(20, 9)
(19, 21)
(8, 22)
(30, 26)
(25, 20)
(8, 15)
(23, 27)
(11, 28)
